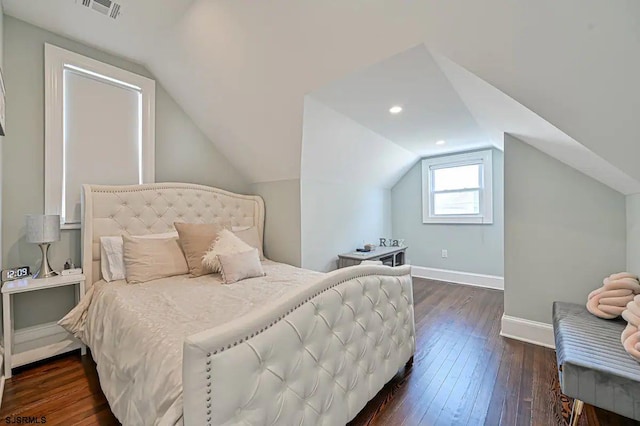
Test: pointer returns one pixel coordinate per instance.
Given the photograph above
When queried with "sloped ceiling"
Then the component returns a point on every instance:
(432, 109)
(132, 34)
(241, 68)
(441, 101)
(498, 114)
(337, 149)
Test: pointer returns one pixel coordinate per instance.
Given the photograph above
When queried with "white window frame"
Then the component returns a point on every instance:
(56, 61)
(485, 158)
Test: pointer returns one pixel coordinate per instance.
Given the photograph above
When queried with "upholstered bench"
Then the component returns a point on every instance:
(593, 367)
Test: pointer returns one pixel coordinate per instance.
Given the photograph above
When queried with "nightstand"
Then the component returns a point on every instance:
(44, 340)
(390, 256)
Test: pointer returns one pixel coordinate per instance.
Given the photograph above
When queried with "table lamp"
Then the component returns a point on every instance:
(43, 229)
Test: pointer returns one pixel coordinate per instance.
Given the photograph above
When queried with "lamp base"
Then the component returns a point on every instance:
(45, 270)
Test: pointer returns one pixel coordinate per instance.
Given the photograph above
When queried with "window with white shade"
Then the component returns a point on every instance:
(458, 188)
(99, 129)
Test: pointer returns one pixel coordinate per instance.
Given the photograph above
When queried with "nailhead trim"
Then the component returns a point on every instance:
(156, 187)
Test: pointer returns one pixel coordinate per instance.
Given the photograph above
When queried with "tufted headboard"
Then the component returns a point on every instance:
(152, 209)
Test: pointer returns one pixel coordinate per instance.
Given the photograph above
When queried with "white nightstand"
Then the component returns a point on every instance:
(51, 343)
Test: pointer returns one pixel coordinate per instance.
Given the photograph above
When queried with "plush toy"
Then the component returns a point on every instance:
(631, 335)
(610, 300)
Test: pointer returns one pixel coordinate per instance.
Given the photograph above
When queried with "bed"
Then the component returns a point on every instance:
(292, 347)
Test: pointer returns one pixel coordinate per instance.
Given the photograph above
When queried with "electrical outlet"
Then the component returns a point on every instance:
(445, 253)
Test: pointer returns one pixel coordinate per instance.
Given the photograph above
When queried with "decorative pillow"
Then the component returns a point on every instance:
(195, 239)
(226, 243)
(112, 255)
(147, 259)
(250, 236)
(239, 266)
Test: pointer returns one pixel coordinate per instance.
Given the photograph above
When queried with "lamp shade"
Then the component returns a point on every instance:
(43, 228)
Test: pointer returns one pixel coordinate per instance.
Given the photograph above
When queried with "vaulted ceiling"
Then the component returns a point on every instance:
(241, 68)
(432, 110)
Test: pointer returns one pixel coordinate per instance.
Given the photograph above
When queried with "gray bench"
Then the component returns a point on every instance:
(593, 367)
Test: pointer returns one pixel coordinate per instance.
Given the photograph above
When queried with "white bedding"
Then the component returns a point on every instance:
(136, 332)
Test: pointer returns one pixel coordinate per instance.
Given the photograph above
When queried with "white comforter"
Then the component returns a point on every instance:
(136, 332)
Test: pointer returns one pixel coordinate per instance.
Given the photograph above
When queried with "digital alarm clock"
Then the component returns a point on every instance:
(18, 273)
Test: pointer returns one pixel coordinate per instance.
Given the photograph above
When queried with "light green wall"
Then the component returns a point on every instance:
(633, 233)
(338, 218)
(471, 248)
(282, 220)
(564, 232)
(183, 153)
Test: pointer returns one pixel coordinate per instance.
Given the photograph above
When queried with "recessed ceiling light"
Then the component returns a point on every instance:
(395, 109)
(441, 142)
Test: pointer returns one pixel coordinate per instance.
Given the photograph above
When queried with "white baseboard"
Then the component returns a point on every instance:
(538, 333)
(467, 278)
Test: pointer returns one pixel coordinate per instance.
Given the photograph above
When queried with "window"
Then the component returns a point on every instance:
(99, 129)
(458, 188)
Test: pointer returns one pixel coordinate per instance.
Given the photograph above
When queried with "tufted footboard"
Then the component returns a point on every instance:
(315, 358)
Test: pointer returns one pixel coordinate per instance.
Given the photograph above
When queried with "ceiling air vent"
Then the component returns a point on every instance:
(106, 7)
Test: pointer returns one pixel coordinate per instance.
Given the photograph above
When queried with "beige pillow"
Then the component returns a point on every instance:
(195, 239)
(226, 243)
(149, 259)
(239, 266)
(250, 236)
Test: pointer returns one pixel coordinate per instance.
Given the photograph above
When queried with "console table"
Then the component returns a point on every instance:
(391, 256)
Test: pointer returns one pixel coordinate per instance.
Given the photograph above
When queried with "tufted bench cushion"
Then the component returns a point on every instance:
(592, 364)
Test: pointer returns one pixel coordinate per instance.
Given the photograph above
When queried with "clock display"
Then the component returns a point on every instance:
(15, 273)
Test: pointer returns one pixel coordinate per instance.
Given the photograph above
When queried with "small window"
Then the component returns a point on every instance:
(458, 188)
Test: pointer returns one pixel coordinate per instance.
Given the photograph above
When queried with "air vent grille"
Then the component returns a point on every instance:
(115, 11)
(105, 7)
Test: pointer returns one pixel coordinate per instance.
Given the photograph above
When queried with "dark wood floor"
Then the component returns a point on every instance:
(464, 373)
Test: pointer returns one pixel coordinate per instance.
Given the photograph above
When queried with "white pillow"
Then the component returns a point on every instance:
(239, 266)
(226, 243)
(112, 254)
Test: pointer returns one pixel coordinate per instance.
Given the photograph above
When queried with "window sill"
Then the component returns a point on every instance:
(458, 221)
(65, 226)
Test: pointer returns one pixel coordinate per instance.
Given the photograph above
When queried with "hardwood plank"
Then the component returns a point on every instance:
(65, 390)
(439, 343)
(444, 405)
(463, 373)
(487, 359)
(511, 400)
(462, 393)
(525, 392)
